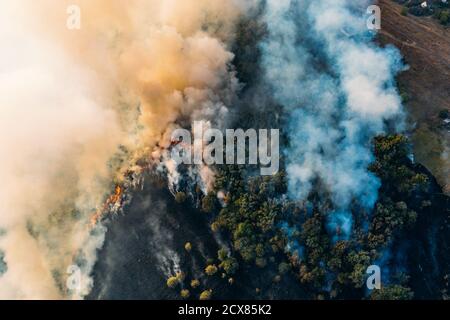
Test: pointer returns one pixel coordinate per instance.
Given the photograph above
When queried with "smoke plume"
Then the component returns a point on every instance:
(339, 88)
(70, 98)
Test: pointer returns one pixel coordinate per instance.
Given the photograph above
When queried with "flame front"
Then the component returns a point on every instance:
(114, 199)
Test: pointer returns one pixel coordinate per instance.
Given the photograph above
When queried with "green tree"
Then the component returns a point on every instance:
(229, 265)
(392, 292)
(222, 254)
(360, 261)
(209, 203)
(284, 267)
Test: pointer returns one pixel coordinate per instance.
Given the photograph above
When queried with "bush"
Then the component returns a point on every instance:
(284, 267)
(185, 294)
(393, 292)
(222, 254)
(180, 276)
(172, 282)
(211, 270)
(209, 203)
(195, 283)
(404, 11)
(180, 197)
(261, 262)
(444, 17)
(215, 226)
(206, 295)
(229, 265)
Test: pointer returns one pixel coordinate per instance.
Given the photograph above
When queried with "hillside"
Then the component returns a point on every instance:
(425, 44)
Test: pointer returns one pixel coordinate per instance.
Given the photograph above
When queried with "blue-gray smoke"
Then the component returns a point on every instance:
(339, 89)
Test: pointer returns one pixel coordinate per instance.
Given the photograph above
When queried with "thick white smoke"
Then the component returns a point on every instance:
(56, 139)
(70, 98)
(339, 87)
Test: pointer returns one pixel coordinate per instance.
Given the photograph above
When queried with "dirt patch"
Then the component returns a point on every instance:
(425, 44)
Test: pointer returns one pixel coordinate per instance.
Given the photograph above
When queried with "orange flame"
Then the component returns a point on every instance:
(112, 200)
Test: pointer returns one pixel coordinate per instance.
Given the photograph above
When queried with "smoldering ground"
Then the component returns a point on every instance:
(146, 245)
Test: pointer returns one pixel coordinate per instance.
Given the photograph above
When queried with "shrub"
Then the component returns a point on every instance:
(206, 295)
(229, 265)
(393, 292)
(211, 270)
(185, 294)
(195, 283)
(444, 17)
(172, 282)
(404, 11)
(180, 197)
(222, 254)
